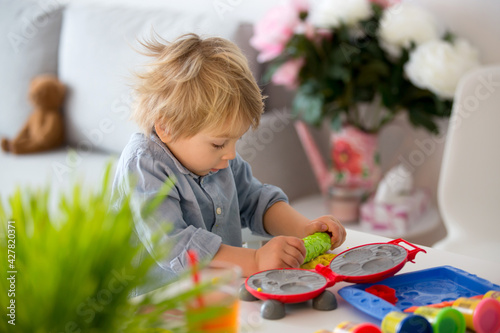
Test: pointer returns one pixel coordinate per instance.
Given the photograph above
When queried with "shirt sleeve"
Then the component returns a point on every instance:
(254, 197)
(164, 234)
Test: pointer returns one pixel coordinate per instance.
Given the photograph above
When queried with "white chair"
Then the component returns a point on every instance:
(469, 182)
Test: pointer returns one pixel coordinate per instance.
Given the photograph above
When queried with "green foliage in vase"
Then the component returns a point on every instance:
(73, 268)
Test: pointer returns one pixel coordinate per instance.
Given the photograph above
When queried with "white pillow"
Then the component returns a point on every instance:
(30, 38)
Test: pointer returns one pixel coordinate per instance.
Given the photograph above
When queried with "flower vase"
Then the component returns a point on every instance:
(356, 171)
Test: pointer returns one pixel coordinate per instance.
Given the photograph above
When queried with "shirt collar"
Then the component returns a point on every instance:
(182, 169)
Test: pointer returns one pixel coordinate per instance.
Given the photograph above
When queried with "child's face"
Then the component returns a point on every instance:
(207, 150)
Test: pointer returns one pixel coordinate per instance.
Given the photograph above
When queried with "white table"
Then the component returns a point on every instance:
(303, 318)
(314, 206)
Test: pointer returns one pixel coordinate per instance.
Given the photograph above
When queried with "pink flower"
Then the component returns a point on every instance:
(324, 33)
(287, 74)
(276, 28)
(346, 157)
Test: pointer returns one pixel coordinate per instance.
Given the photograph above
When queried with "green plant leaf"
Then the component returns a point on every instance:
(339, 73)
(309, 107)
(422, 119)
(336, 123)
(76, 264)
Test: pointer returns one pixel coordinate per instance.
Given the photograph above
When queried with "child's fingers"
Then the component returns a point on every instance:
(341, 234)
(291, 261)
(282, 252)
(338, 235)
(294, 256)
(334, 227)
(337, 242)
(316, 226)
(298, 244)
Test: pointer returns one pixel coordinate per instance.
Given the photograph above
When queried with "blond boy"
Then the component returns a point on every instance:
(197, 98)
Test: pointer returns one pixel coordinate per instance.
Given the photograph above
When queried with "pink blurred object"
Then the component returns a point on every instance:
(355, 158)
(344, 202)
(395, 217)
(287, 74)
(354, 155)
(276, 28)
(323, 175)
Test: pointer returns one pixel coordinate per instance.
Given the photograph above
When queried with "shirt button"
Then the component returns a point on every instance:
(219, 210)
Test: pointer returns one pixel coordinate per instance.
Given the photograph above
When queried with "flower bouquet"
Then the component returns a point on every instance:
(340, 55)
(357, 64)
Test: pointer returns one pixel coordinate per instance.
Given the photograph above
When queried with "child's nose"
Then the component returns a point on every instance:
(230, 154)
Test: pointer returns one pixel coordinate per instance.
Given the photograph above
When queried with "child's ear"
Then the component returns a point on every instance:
(162, 133)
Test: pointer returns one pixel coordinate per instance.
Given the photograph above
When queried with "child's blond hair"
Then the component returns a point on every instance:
(195, 84)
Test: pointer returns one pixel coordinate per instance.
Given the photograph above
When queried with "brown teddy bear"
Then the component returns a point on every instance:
(44, 129)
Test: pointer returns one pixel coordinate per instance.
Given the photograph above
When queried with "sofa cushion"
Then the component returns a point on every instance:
(29, 46)
(97, 58)
(57, 170)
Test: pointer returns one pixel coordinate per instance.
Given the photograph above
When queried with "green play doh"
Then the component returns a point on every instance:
(316, 244)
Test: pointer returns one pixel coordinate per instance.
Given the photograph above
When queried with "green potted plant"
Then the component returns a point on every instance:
(72, 269)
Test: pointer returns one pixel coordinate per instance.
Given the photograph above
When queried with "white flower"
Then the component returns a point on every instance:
(404, 23)
(331, 13)
(438, 65)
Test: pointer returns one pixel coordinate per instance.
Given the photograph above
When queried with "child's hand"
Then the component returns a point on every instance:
(330, 225)
(281, 252)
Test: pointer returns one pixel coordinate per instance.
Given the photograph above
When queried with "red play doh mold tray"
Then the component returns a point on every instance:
(361, 264)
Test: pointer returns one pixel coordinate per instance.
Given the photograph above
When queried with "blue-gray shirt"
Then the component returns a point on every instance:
(204, 211)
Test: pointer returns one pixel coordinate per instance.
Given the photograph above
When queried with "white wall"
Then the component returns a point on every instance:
(473, 19)
(476, 20)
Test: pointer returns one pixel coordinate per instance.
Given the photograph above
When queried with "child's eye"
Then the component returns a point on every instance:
(218, 146)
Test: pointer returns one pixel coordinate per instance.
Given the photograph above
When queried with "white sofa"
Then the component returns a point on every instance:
(90, 46)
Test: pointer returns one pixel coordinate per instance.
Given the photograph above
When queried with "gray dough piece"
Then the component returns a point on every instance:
(272, 309)
(326, 301)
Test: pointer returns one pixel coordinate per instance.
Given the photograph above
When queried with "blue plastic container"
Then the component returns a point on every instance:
(419, 288)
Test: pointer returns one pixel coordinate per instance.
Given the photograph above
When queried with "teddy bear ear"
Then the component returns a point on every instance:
(47, 90)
